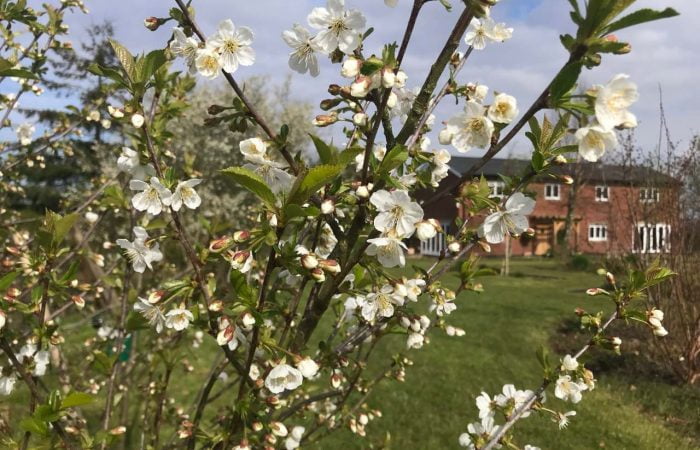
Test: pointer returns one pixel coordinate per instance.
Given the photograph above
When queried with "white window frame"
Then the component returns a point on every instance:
(597, 232)
(649, 195)
(604, 192)
(552, 187)
(496, 189)
(652, 238)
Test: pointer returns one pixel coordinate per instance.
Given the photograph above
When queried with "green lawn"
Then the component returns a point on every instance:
(504, 326)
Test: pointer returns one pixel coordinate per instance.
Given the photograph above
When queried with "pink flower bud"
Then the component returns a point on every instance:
(329, 265)
(309, 261)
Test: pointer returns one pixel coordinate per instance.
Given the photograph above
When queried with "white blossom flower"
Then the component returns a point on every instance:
(185, 194)
(255, 151)
(185, 47)
(389, 250)
(594, 140)
(414, 288)
(396, 212)
(91, 217)
(326, 242)
(207, 62)
(470, 128)
(138, 252)
(612, 101)
(443, 304)
(425, 230)
(339, 28)
(150, 312)
(137, 120)
(487, 406)
(303, 58)
(153, 196)
(569, 363)
(30, 355)
(178, 318)
(481, 430)
(283, 377)
(294, 439)
(563, 419)
(25, 132)
(477, 92)
(514, 398)
(308, 367)
(569, 390)
(7, 383)
(351, 67)
(380, 304)
(483, 30)
(512, 220)
(130, 163)
(503, 109)
(233, 46)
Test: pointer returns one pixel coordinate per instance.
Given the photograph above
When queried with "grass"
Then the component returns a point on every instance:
(505, 325)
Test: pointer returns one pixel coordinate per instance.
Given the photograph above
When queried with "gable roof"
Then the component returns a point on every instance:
(592, 172)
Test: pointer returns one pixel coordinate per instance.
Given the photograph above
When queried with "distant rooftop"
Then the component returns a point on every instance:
(596, 172)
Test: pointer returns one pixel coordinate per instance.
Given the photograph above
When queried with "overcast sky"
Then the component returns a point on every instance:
(664, 53)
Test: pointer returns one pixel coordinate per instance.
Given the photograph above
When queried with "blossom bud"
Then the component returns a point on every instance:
(247, 320)
(115, 112)
(278, 429)
(216, 306)
(309, 261)
(270, 438)
(216, 109)
(610, 278)
(78, 301)
(219, 245)
(454, 247)
(595, 291)
(152, 23)
(405, 322)
(566, 179)
(425, 230)
(611, 38)
(239, 259)
(627, 48)
(445, 137)
(91, 217)
(257, 426)
(318, 275)
(530, 232)
(324, 120)
(616, 342)
(330, 103)
(336, 380)
(392, 101)
(334, 89)
(3, 319)
(241, 236)
(579, 312)
(117, 431)
(359, 119)
(272, 400)
(137, 120)
(485, 246)
(656, 314)
(401, 79)
(660, 331)
(362, 191)
(327, 206)
(560, 160)
(329, 265)
(351, 68)
(388, 78)
(361, 87)
(455, 59)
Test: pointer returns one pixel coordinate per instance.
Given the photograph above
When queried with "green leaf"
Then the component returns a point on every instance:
(537, 161)
(327, 154)
(253, 183)
(35, 426)
(239, 284)
(62, 226)
(371, 65)
(393, 159)
(348, 156)
(151, 63)
(641, 16)
(311, 181)
(564, 81)
(45, 413)
(125, 58)
(76, 399)
(7, 280)
(19, 73)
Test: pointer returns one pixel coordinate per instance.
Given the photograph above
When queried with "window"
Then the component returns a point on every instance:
(597, 232)
(649, 195)
(551, 192)
(601, 194)
(652, 238)
(496, 189)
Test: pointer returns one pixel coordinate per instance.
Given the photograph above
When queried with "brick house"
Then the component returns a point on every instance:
(615, 209)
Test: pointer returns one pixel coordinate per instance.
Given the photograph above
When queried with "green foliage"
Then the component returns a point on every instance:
(253, 183)
(393, 159)
(309, 182)
(580, 262)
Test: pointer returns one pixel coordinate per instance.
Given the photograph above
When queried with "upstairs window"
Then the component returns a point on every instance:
(551, 192)
(496, 189)
(649, 195)
(597, 232)
(602, 194)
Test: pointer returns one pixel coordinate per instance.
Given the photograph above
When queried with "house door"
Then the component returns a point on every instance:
(543, 243)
